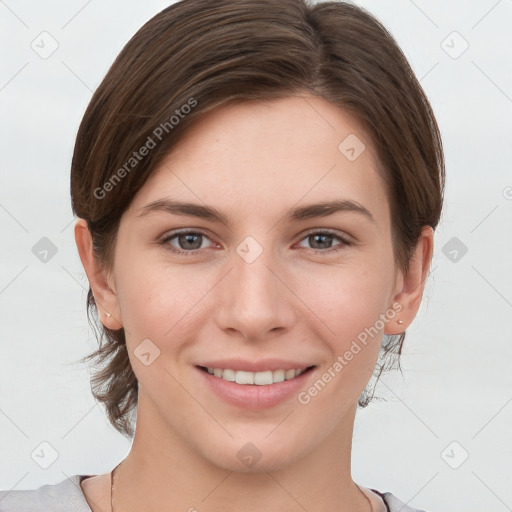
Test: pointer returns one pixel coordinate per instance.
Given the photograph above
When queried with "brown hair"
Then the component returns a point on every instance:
(197, 55)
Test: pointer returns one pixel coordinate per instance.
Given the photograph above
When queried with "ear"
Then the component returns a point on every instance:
(104, 296)
(409, 287)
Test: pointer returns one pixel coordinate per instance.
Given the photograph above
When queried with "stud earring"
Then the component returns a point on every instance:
(400, 322)
(108, 314)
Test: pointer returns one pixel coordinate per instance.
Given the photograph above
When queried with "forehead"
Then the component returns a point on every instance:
(263, 155)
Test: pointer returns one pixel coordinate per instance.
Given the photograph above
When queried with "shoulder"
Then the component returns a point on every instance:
(65, 496)
(394, 504)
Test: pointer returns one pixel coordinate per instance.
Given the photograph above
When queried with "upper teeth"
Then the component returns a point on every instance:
(258, 378)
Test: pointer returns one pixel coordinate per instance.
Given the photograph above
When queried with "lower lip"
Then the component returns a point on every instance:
(252, 396)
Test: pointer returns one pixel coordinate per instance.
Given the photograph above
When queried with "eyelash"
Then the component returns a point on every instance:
(167, 239)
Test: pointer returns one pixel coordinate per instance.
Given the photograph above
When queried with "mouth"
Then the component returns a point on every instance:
(255, 384)
(261, 378)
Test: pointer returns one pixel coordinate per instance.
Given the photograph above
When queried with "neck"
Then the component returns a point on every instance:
(160, 472)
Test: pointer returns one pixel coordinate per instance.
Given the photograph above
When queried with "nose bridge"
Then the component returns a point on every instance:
(254, 280)
(253, 299)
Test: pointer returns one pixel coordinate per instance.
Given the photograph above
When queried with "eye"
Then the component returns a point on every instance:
(189, 242)
(323, 241)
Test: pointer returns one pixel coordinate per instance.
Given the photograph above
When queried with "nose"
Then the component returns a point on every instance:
(254, 299)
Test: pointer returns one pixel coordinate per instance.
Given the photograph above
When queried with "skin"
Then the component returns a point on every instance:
(254, 162)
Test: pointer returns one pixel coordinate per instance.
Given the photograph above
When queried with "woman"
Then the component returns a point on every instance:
(257, 185)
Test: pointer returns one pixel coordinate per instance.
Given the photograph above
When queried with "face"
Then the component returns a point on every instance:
(274, 285)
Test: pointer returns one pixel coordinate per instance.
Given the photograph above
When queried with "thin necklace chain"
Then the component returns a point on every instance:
(113, 479)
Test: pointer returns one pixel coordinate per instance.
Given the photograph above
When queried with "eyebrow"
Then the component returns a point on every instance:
(310, 211)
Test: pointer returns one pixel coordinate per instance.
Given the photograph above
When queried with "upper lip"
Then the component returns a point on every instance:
(255, 366)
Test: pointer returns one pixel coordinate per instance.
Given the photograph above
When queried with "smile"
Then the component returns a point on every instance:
(264, 378)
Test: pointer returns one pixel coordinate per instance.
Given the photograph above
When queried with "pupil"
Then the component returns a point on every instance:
(186, 239)
(316, 237)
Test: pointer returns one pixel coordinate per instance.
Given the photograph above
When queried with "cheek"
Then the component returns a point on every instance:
(157, 304)
(161, 301)
(350, 304)
(150, 296)
(349, 299)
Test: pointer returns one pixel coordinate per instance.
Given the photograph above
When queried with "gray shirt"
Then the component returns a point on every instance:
(67, 496)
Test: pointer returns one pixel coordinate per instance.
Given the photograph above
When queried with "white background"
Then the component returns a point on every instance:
(457, 378)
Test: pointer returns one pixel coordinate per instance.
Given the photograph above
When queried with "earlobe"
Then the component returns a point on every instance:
(104, 296)
(413, 283)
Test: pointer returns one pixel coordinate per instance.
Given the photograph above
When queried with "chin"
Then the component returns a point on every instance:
(265, 465)
(255, 457)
